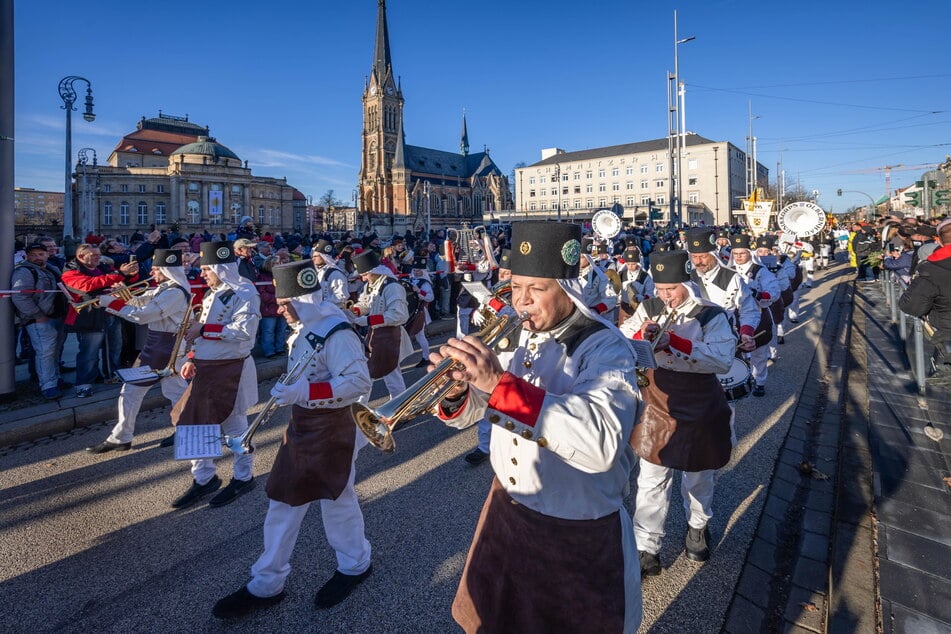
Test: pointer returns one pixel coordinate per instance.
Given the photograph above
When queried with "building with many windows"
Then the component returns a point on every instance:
(636, 176)
(169, 171)
(402, 184)
(34, 207)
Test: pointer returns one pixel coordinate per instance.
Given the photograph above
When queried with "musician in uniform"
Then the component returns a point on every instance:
(423, 288)
(599, 295)
(163, 309)
(784, 272)
(223, 376)
(333, 279)
(636, 283)
(553, 549)
(691, 435)
(317, 455)
(765, 289)
(382, 308)
(724, 245)
(724, 287)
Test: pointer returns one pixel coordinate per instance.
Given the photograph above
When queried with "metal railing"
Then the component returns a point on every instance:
(893, 287)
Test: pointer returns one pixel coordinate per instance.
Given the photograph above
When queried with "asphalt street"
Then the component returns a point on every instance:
(90, 543)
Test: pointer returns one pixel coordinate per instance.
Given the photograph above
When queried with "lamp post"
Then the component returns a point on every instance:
(87, 219)
(68, 94)
(677, 124)
(853, 191)
(557, 178)
(426, 195)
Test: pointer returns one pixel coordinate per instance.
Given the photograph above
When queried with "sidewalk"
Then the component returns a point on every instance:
(47, 418)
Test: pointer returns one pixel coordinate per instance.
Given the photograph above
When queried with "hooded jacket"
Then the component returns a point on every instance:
(929, 294)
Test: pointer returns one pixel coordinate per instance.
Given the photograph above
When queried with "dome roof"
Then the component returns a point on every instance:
(207, 146)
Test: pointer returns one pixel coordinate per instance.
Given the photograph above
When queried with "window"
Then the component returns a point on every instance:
(106, 189)
(629, 201)
(531, 193)
(661, 200)
(645, 184)
(602, 202)
(577, 189)
(564, 176)
(193, 187)
(142, 213)
(236, 189)
(660, 183)
(692, 164)
(629, 185)
(194, 212)
(692, 180)
(261, 214)
(544, 206)
(589, 203)
(693, 197)
(160, 189)
(578, 204)
(160, 213)
(615, 171)
(643, 169)
(123, 188)
(542, 179)
(564, 191)
(659, 167)
(615, 187)
(587, 174)
(531, 180)
(629, 170)
(107, 213)
(141, 189)
(601, 173)
(645, 200)
(577, 176)
(123, 212)
(544, 191)
(588, 188)
(602, 187)
(531, 206)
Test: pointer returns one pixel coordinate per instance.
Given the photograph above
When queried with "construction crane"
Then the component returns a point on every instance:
(888, 169)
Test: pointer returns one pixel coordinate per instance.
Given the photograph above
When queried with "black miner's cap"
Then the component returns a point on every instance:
(700, 240)
(295, 279)
(670, 267)
(217, 253)
(505, 259)
(765, 242)
(546, 249)
(366, 261)
(740, 241)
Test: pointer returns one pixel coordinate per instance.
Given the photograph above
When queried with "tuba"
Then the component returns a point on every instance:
(426, 393)
(802, 219)
(472, 244)
(605, 224)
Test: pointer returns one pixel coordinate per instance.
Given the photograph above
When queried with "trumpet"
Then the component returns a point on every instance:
(642, 379)
(127, 292)
(426, 393)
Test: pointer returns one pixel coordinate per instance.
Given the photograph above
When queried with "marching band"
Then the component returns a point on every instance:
(565, 406)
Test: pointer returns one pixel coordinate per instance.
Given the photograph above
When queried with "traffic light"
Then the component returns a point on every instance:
(913, 199)
(942, 197)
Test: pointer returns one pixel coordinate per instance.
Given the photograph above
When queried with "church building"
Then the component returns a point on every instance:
(400, 184)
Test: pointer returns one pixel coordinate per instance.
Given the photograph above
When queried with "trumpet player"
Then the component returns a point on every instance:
(163, 309)
(317, 455)
(599, 294)
(333, 279)
(697, 343)
(562, 403)
(636, 283)
(223, 377)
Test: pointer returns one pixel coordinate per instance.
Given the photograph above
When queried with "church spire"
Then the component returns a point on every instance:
(381, 51)
(464, 142)
(399, 161)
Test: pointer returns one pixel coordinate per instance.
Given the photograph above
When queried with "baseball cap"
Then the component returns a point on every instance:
(241, 243)
(35, 245)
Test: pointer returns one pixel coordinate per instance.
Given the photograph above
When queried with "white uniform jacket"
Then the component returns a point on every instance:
(762, 283)
(694, 347)
(334, 284)
(638, 284)
(382, 303)
(230, 319)
(161, 308)
(338, 374)
(598, 294)
(727, 289)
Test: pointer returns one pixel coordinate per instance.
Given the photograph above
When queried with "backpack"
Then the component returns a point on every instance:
(60, 302)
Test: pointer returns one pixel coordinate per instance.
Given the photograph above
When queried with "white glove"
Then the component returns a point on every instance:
(477, 318)
(360, 321)
(298, 392)
(105, 300)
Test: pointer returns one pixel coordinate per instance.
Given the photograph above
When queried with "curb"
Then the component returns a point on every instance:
(67, 414)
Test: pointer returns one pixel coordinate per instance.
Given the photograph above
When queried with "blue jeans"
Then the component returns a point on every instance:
(273, 335)
(87, 359)
(45, 339)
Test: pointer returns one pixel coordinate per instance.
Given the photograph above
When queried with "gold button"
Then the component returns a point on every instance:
(527, 364)
(542, 442)
(532, 347)
(512, 480)
(514, 461)
(527, 434)
(509, 425)
(494, 418)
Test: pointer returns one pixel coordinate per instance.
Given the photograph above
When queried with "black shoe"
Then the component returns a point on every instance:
(168, 441)
(650, 564)
(107, 446)
(242, 603)
(339, 588)
(196, 492)
(231, 492)
(696, 543)
(476, 457)
(780, 340)
(759, 390)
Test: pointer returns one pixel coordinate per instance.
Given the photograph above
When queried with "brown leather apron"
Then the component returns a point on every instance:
(787, 296)
(383, 350)
(532, 573)
(313, 462)
(686, 422)
(778, 311)
(764, 329)
(418, 321)
(156, 352)
(211, 395)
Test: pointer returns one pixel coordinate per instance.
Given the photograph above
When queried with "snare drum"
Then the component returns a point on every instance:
(738, 381)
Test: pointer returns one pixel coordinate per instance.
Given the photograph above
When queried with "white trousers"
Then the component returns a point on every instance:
(463, 321)
(130, 401)
(654, 485)
(203, 470)
(793, 309)
(423, 343)
(758, 360)
(394, 381)
(343, 525)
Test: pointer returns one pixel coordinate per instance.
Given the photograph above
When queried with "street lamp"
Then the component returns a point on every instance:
(86, 196)
(677, 126)
(871, 200)
(426, 195)
(557, 179)
(68, 95)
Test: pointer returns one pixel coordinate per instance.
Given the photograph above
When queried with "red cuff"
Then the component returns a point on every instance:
(765, 295)
(747, 330)
(191, 355)
(423, 294)
(496, 304)
(518, 399)
(637, 335)
(375, 320)
(680, 344)
(444, 416)
(116, 304)
(212, 331)
(600, 308)
(320, 391)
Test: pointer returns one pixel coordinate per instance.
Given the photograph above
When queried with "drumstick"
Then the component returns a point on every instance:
(754, 337)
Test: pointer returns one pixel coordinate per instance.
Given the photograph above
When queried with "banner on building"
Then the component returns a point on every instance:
(215, 202)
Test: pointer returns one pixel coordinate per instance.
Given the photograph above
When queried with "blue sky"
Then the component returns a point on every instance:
(837, 86)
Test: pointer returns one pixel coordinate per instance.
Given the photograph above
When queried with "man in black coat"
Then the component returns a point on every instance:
(929, 294)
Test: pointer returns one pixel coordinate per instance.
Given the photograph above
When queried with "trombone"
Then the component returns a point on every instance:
(668, 320)
(426, 393)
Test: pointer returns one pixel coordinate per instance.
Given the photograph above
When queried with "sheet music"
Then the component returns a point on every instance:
(140, 373)
(197, 441)
(645, 353)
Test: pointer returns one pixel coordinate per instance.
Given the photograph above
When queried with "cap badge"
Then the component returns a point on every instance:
(307, 278)
(223, 253)
(171, 258)
(659, 267)
(525, 248)
(571, 252)
(696, 243)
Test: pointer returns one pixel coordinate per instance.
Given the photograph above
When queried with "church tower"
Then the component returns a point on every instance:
(382, 128)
